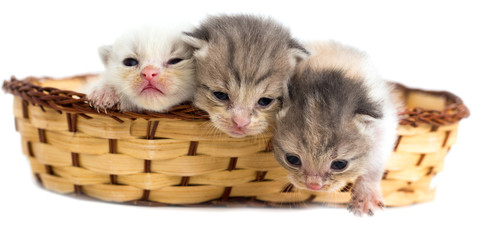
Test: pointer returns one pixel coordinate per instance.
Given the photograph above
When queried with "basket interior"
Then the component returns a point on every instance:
(75, 84)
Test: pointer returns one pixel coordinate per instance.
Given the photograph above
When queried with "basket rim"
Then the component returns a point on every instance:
(453, 112)
(77, 103)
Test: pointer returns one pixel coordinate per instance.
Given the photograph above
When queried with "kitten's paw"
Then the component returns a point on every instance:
(103, 98)
(363, 203)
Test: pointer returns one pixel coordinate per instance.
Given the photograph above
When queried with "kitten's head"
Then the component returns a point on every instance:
(325, 137)
(151, 67)
(243, 64)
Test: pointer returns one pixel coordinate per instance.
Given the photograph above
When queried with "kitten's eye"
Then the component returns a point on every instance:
(339, 164)
(265, 101)
(174, 61)
(130, 62)
(221, 96)
(293, 160)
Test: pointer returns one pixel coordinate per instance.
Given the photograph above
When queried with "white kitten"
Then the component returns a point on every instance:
(148, 68)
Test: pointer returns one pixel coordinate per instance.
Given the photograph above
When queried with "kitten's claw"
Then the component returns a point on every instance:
(350, 208)
(370, 213)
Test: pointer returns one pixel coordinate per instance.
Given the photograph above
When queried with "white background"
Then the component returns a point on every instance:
(426, 44)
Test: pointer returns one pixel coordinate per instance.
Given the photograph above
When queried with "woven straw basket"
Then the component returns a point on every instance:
(177, 158)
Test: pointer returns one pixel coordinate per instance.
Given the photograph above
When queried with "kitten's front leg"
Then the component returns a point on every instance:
(103, 97)
(366, 196)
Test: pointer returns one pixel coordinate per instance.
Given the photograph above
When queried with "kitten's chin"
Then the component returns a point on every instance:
(239, 133)
(303, 186)
(328, 187)
(155, 101)
(236, 134)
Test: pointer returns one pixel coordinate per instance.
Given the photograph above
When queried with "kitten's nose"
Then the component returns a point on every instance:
(314, 186)
(313, 182)
(241, 121)
(149, 73)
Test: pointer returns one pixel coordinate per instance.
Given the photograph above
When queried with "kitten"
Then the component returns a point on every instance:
(243, 63)
(338, 125)
(148, 68)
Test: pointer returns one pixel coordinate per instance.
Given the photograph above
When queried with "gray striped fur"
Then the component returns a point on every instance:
(248, 58)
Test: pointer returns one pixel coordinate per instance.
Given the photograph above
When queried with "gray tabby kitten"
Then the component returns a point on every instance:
(338, 125)
(242, 65)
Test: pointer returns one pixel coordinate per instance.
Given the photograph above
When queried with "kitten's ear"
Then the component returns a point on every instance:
(197, 39)
(286, 100)
(105, 52)
(297, 51)
(365, 118)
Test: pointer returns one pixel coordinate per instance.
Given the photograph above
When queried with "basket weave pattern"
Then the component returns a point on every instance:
(178, 158)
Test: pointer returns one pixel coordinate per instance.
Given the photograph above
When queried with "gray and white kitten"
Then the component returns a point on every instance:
(243, 63)
(338, 125)
(148, 68)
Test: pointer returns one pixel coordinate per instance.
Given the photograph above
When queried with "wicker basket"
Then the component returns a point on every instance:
(177, 158)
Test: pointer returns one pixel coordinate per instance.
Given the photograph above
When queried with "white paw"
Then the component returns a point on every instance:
(103, 98)
(365, 202)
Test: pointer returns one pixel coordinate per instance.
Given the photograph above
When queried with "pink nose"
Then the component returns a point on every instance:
(314, 186)
(241, 122)
(149, 73)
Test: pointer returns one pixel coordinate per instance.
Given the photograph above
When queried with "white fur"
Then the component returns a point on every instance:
(354, 63)
(153, 46)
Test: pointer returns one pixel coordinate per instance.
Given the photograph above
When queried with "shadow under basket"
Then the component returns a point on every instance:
(178, 158)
